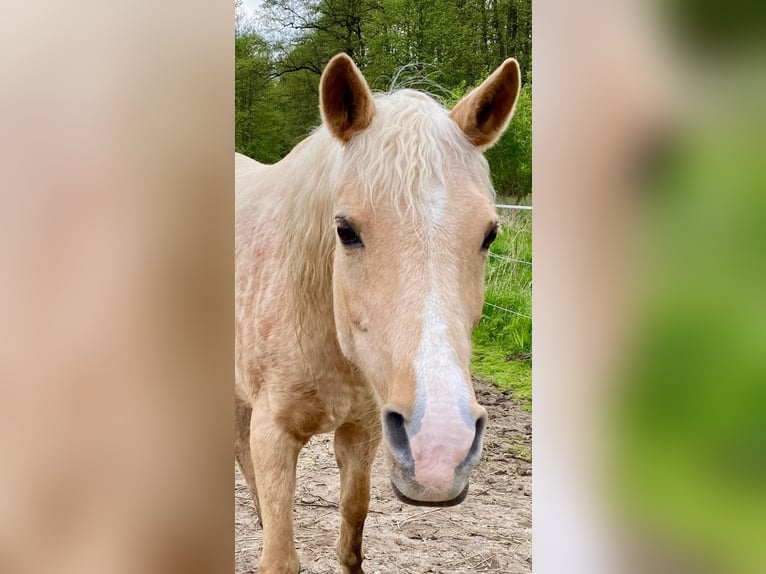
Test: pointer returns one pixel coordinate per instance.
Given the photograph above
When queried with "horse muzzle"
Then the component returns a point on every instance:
(415, 502)
(430, 465)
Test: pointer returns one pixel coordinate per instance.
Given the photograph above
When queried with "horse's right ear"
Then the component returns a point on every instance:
(344, 98)
(484, 114)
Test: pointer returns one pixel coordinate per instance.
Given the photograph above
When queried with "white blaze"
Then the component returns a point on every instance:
(443, 438)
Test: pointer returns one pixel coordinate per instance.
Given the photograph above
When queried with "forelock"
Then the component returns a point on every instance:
(411, 147)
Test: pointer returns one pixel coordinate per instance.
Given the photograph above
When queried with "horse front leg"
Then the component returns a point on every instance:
(242, 417)
(275, 456)
(355, 447)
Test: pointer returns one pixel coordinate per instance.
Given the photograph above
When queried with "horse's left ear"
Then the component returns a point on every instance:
(345, 99)
(484, 114)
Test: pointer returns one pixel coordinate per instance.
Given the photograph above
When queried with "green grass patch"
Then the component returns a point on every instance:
(491, 364)
(503, 339)
(518, 449)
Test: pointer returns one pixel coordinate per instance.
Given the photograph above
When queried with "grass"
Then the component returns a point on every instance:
(518, 449)
(502, 341)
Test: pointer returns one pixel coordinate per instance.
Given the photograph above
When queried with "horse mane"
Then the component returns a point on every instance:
(410, 147)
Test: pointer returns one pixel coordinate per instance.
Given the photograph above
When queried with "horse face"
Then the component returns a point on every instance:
(408, 270)
(407, 293)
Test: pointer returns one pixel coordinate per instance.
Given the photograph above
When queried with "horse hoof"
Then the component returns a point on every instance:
(283, 569)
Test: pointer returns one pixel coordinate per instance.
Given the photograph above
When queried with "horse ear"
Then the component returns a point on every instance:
(344, 98)
(484, 114)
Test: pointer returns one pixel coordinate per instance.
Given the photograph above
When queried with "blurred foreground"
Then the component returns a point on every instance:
(649, 306)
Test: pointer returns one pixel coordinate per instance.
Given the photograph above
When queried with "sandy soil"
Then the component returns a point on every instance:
(490, 532)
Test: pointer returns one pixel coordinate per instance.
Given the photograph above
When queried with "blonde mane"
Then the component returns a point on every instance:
(410, 147)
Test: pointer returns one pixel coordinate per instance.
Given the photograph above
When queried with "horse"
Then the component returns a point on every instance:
(359, 264)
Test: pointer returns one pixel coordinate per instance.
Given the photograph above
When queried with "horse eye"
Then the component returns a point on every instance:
(489, 238)
(347, 235)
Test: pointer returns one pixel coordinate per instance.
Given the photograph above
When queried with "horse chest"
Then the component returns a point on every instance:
(345, 400)
(321, 402)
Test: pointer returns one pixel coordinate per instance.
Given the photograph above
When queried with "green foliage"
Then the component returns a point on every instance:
(503, 339)
(508, 286)
(259, 121)
(510, 159)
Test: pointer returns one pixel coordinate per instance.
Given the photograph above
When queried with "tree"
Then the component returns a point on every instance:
(259, 122)
(441, 46)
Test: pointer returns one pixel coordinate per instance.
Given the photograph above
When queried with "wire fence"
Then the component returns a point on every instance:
(508, 282)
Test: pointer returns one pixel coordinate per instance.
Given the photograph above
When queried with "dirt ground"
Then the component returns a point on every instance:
(490, 532)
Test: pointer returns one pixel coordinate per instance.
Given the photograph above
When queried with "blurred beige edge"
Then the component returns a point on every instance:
(116, 332)
(615, 84)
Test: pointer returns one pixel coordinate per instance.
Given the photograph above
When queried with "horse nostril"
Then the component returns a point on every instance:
(475, 451)
(481, 423)
(396, 435)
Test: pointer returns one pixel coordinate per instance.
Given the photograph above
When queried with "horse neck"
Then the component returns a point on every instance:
(310, 172)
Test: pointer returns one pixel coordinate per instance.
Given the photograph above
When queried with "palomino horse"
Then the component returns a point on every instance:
(359, 277)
